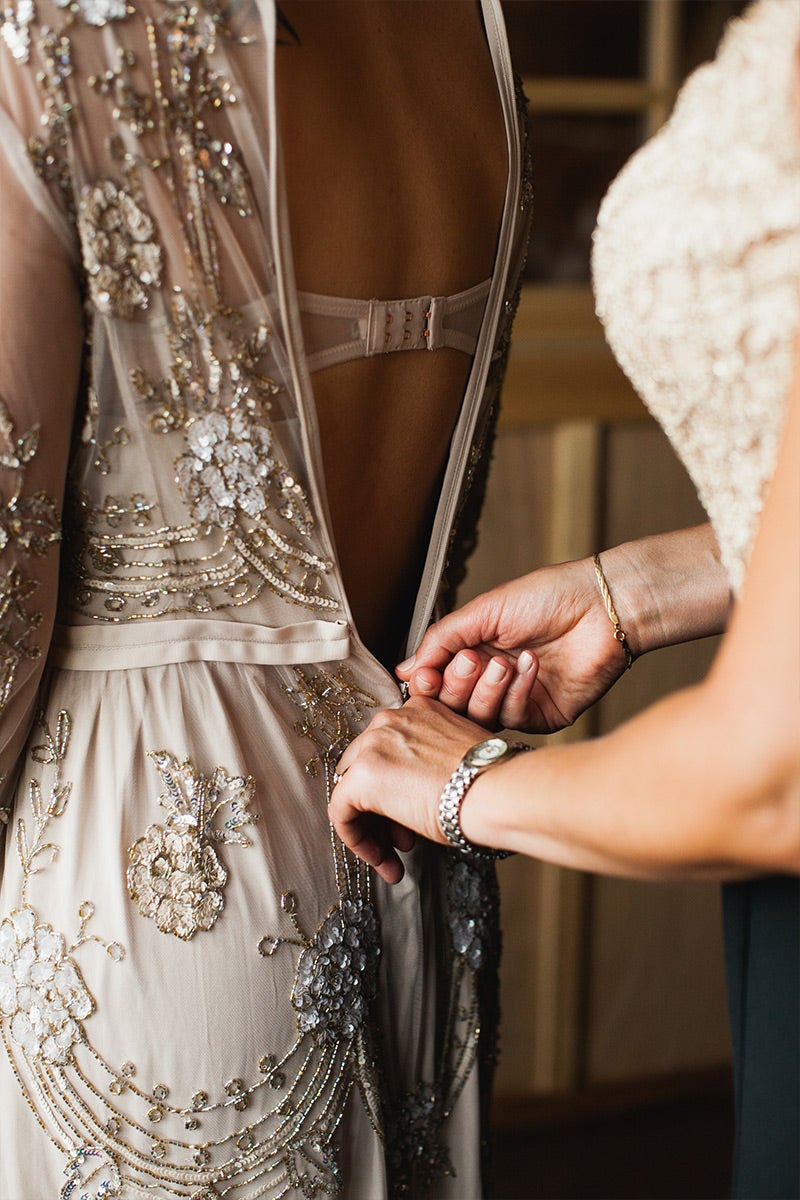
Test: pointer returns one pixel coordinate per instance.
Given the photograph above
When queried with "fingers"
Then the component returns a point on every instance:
(404, 669)
(372, 838)
(515, 710)
(470, 686)
(402, 838)
(459, 679)
(492, 693)
(445, 638)
(390, 778)
(375, 839)
(425, 682)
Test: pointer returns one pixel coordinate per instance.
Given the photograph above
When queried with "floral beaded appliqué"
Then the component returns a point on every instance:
(270, 1133)
(17, 18)
(42, 991)
(175, 876)
(336, 973)
(472, 907)
(120, 253)
(232, 475)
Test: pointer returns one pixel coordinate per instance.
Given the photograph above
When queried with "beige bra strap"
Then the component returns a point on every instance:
(337, 329)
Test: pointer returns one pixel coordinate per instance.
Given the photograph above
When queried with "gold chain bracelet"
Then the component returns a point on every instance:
(619, 632)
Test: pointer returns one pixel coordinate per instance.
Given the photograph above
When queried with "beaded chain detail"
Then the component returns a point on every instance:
(109, 1127)
(413, 1125)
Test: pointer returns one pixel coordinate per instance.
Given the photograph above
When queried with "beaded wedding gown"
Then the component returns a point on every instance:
(201, 993)
(697, 277)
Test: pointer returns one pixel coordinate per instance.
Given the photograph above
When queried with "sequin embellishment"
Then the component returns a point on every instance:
(227, 467)
(416, 1151)
(471, 911)
(171, 514)
(15, 21)
(109, 1128)
(120, 252)
(29, 522)
(89, 1166)
(96, 12)
(334, 977)
(41, 989)
(337, 972)
(175, 876)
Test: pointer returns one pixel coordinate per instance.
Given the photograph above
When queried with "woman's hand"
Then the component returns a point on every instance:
(532, 654)
(391, 778)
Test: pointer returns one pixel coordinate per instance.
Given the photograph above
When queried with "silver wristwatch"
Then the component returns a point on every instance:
(478, 759)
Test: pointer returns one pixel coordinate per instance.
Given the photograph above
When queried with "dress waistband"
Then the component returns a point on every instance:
(154, 643)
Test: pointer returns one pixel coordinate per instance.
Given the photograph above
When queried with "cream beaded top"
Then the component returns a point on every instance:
(697, 268)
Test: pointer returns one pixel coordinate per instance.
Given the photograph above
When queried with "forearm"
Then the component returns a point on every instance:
(668, 588)
(707, 782)
(685, 790)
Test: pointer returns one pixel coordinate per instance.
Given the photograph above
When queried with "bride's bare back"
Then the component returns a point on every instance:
(396, 166)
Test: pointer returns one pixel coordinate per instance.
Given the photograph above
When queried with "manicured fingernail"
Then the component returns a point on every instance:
(424, 685)
(463, 666)
(495, 671)
(524, 662)
(408, 664)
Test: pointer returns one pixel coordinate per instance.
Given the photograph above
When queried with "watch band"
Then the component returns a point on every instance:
(479, 758)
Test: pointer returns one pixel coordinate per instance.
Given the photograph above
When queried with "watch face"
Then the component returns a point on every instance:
(484, 754)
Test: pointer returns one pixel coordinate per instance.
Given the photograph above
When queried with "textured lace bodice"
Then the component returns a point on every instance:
(697, 269)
